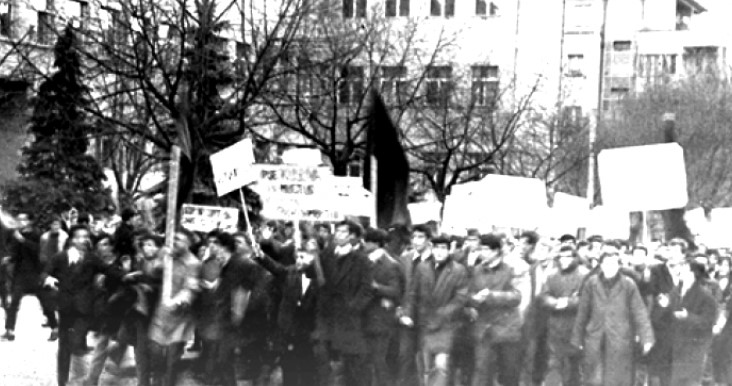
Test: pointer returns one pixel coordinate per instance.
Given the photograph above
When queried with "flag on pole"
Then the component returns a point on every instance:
(390, 176)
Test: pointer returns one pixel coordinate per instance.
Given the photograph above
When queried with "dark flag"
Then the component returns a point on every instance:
(392, 168)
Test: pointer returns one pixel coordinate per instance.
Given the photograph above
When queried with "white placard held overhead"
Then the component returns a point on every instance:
(202, 218)
(641, 178)
(232, 167)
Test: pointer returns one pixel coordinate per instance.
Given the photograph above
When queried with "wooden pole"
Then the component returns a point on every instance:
(170, 221)
(374, 190)
(250, 232)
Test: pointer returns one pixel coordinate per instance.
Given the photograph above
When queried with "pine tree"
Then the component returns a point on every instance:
(55, 173)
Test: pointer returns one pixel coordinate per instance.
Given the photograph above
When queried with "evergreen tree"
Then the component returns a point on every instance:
(56, 174)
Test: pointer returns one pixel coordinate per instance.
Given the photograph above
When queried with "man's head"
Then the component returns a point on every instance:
(610, 264)
(347, 231)
(182, 241)
(568, 240)
(323, 231)
(677, 248)
(490, 248)
(268, 230)
(420, 237)
(374, 239)
(150, 245)
(130, 216)
(595, 242)
(55, 225)
(24, 220)
(567, 257)
(527, 243)
(441, 248)
(472, 241)
(104, 249)
(79, 238)
(243, 243)
(224, 245)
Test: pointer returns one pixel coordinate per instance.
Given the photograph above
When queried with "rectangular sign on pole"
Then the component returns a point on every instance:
(201, 218)
(642, 178)
(232, 167)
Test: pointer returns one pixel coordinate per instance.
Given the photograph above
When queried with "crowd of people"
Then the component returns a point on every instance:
(340, 304)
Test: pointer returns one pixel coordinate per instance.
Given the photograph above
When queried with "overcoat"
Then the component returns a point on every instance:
(435, 302)
(610, 315)
(343, 300)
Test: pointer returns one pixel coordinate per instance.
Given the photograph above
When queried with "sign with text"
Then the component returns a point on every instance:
(641, 178)
(201, 218)
(232, 167)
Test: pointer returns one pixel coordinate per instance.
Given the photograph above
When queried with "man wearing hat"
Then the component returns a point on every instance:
(434, 301)
(494, 299)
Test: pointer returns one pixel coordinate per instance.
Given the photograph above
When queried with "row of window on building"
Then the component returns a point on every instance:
(394, 8)
(75, 12)
(396, 86)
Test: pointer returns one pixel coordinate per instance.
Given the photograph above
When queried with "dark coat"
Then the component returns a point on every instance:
(296, 310)
(499, 317)
(608, 320)
(76, 283)
(217, 302)
(561, 321)
(661, 283)
(722, 349)
(691, 336)
(435, 302)
(409, 261)
(381, 312)
(343, 300)
(284, 254)
(25, 258)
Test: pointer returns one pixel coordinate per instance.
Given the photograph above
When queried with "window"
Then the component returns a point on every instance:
(6, 12)
(616, 95)
(657, 65)
(46, 28)
(240, 64)
(436, 8)
(621, 45)
(309, 79)
(394, 85)
(115, 33)
(78, 11)
(485, 8)
(348, 8)
(575, 64)
(352, 84)
(484, 85)
(391, 8)
(50, 5)
(572, 122)
(439, 84)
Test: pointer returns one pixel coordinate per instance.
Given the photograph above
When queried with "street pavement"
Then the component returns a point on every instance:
(30, 360)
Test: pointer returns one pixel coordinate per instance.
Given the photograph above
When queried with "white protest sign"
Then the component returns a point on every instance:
(232, 167)
(642, 178)
(497, 200)
(719, 228)
(568, 213)
(201, 218)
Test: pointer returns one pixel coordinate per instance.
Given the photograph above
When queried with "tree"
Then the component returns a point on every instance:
(702, 106)
(323, 96)
(56, 174)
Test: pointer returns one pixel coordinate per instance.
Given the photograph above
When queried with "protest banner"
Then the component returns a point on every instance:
(496, 201)
(643, 178)
(232, 167)
(568, 214)
(202, 218)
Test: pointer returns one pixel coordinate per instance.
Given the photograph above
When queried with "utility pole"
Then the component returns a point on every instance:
(598, 117)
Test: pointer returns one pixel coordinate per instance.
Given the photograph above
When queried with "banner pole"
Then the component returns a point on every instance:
(250, 232)
(173, 177)
(374, 190)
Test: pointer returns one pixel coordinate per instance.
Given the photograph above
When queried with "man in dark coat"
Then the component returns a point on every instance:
(296, 316)
(611, 315)
(436, 297)
(388, 287)
(494, 300)
(228, 281)
(560, 296)
(343, 299)
(420, 251)
(124, 241)
(27, 269)
(663, 282)
(73, 272)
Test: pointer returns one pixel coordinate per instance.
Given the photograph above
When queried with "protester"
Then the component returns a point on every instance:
(610, 316)
(436, 296)
(172, 324)
(560, 296)
(27, 268)
(497, 331)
